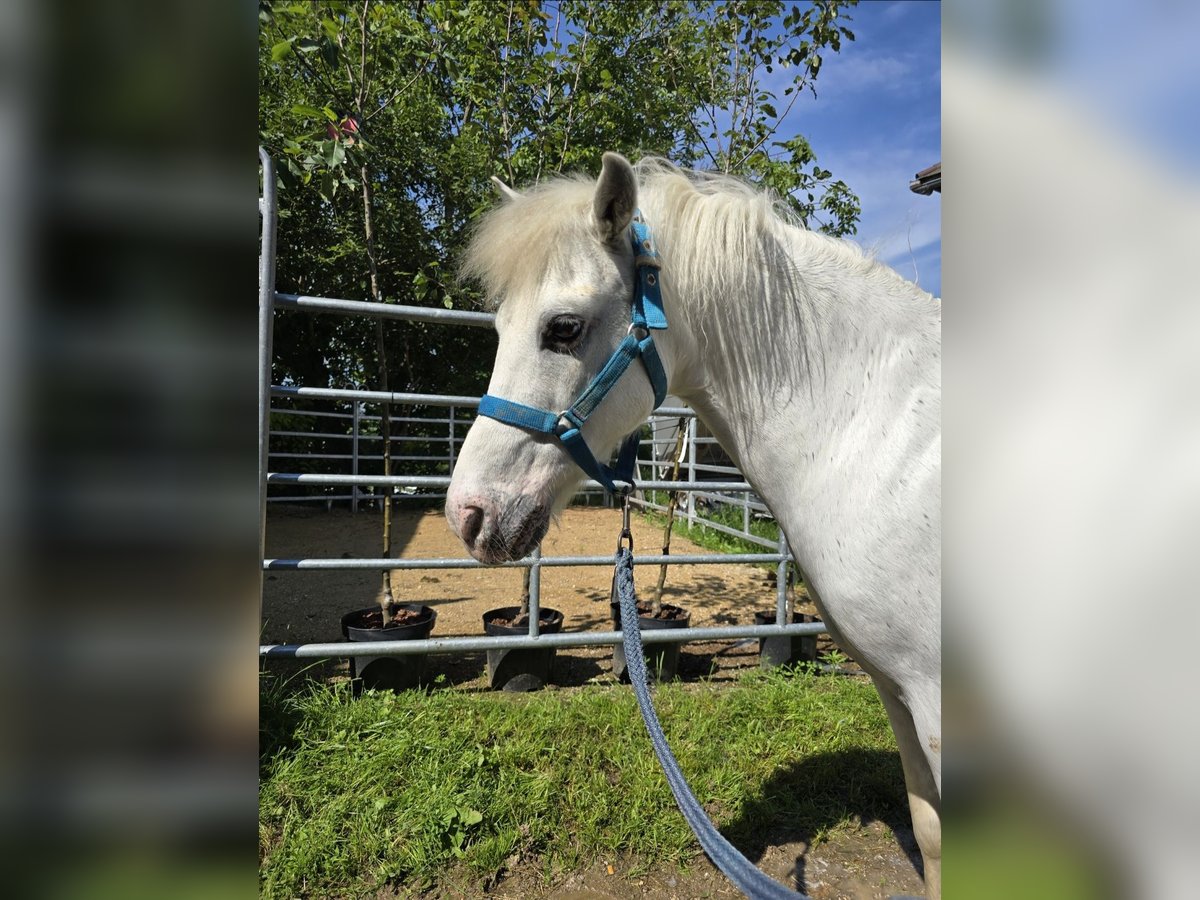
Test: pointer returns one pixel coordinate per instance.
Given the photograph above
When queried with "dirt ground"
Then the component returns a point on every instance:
(874, 860)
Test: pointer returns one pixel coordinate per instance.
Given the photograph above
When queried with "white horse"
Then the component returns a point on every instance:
(817, 369)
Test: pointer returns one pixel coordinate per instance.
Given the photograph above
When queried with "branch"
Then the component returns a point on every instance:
(774, 128)
(707, 149)
(549, 95)
(400, 90)
(333, 93)
(362, 58)
(562, 158)
(504, 52)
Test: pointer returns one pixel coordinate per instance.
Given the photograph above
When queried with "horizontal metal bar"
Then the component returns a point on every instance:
(682, 559)
(444, 481)
(361, 480)
(724, 470)
(411, 399)
(734, 532)
(366, 457)
(725, 500)
(275, 410)
(377, 396)
(396, 438)
(314, 498)
(700, 521)
(429, 420)
(424, 420)
(385, 310)
(279, 454)
(323, 435)
(514, 642)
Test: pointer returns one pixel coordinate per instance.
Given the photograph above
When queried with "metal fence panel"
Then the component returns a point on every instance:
(449, 436)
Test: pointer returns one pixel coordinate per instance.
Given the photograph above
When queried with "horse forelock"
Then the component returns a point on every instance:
(517, 242)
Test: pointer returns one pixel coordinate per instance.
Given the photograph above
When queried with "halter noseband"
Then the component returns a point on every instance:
(647, 316)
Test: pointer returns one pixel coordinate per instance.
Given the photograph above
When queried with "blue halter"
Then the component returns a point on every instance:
(647, 316)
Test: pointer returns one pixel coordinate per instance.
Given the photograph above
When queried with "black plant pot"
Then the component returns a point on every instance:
(520, 669)
(786, 650)
(662, 660)
(396, 673)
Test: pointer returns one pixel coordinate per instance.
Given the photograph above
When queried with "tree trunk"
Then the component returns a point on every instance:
(525, 594)
(386, 599)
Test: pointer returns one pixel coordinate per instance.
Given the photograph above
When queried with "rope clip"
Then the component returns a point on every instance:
(626, 536)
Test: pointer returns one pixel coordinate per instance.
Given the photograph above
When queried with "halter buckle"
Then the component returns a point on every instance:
(641, 332)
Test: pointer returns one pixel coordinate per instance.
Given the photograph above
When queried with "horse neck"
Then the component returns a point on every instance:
(811, 371)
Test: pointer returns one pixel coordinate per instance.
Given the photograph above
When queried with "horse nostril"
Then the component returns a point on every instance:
(470, 522)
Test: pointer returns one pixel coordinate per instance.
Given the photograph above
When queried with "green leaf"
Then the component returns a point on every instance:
(307, 45)
(280, 50)
(769, 110)
(471, 816)
(310, 112)
(333, 153)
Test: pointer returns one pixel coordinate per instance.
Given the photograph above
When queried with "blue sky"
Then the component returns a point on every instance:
(876, 122)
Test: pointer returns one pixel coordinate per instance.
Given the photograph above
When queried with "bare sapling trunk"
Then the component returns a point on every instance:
(524, 612)
(672, 504)
(386, 599)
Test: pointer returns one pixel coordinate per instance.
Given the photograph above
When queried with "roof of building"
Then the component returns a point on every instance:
(927, 180)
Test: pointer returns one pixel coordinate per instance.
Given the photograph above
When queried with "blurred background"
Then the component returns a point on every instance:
(128, 235)
(1071, 217)
(128, 523)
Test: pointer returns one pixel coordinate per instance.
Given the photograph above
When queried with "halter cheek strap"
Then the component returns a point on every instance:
(647, 316)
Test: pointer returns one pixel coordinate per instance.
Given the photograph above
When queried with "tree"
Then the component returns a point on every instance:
(453, 92)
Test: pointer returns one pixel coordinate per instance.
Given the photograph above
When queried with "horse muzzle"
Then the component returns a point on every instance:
(496, 529)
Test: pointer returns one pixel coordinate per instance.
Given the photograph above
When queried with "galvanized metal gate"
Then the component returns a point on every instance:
(270, 300)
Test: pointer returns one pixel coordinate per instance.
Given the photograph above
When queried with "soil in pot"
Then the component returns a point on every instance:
(662, 660)
(410, 622)
(520, 669)
(786, 650)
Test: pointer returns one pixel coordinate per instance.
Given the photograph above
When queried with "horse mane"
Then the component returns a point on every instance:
(702, 218)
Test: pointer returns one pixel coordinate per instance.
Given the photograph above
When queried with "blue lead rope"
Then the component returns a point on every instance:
(743, 873)
(647, 316)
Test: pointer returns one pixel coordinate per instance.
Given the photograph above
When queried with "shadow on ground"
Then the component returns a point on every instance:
(805, 799)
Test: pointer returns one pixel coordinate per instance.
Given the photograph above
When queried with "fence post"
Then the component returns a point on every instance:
(535, 592)
(781, 576)
(691, 504)
(354, 456)
(451, 457)
(266, 321)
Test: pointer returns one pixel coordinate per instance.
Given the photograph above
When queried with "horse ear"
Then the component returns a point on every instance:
(503, 189)
(616, 196)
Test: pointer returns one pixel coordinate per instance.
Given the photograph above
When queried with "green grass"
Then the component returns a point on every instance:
(398, 789)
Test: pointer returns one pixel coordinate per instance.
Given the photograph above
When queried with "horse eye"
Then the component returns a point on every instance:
(562, 333)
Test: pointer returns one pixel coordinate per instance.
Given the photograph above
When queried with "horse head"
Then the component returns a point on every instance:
(558, 265)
